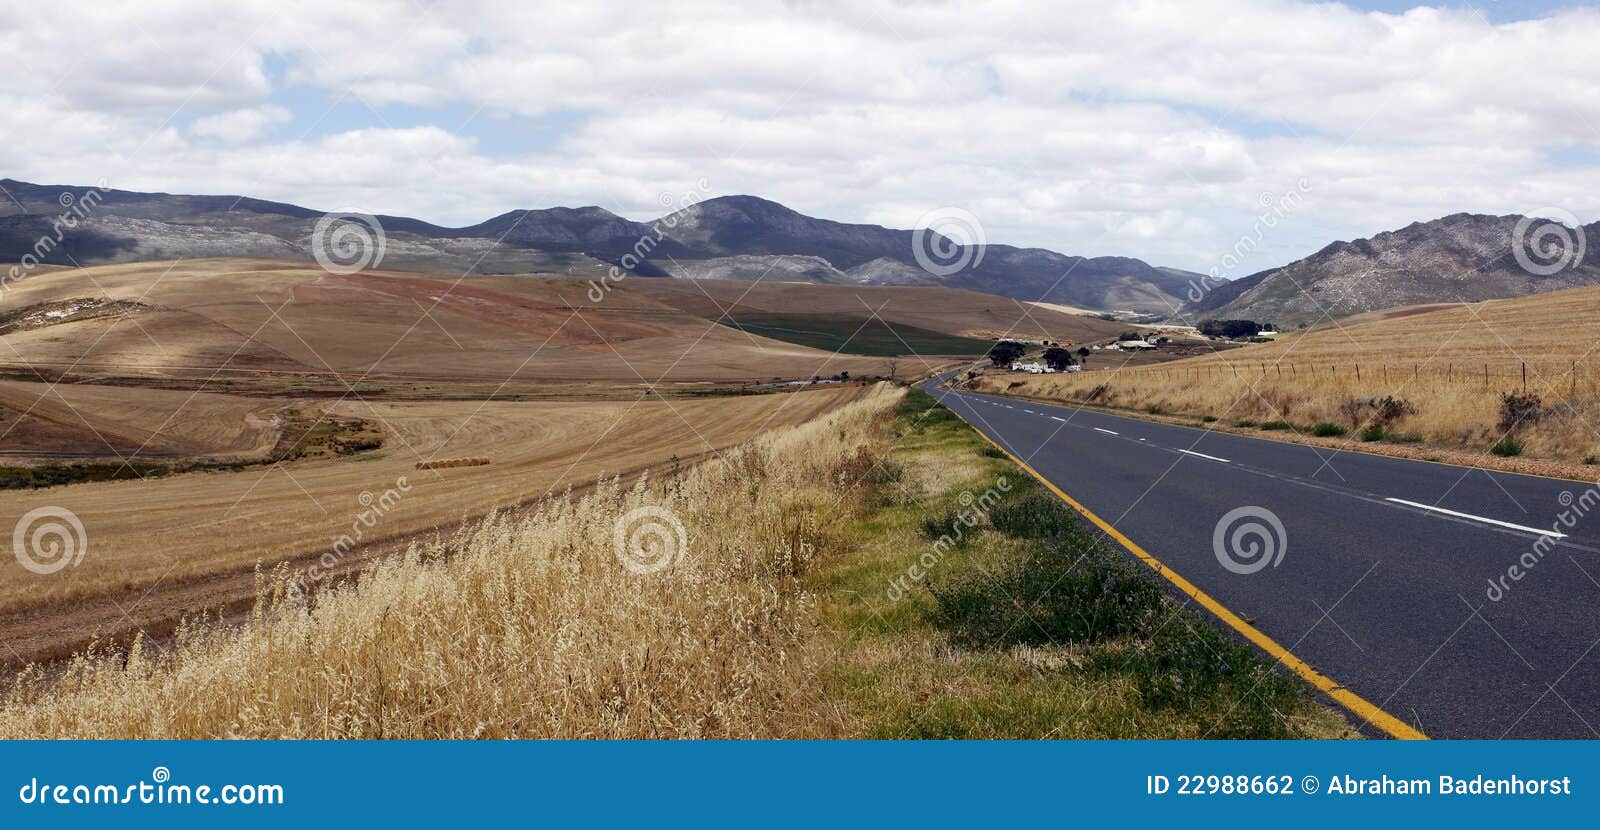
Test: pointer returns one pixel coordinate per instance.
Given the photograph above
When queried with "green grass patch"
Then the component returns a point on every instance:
(1034, 626)
(1507, 447)
(856, 335)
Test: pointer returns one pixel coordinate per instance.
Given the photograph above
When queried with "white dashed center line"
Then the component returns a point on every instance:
(1106, 431)
(1203, 455)
(1550, 533)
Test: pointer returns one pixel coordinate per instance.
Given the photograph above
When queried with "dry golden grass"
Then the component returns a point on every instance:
(1452, 364)
(525, 628)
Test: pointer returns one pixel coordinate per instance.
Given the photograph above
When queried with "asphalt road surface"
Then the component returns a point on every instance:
(1394, 578)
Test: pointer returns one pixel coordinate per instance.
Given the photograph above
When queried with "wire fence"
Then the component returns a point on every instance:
(1572, 377)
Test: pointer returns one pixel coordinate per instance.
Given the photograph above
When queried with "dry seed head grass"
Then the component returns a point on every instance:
(520, 628)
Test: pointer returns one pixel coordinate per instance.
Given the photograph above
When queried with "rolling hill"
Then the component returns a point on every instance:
(734, 237)
(287, 320)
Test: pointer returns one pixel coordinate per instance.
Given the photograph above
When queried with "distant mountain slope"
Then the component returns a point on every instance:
(874, 255)
(730, 237)
(1459, 258)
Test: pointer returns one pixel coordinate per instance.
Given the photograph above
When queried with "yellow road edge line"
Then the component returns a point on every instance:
(1357, 704)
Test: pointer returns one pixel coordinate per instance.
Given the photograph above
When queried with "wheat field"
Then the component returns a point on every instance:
(523, 628)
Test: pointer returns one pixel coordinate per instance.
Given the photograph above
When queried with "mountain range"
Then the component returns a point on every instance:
(737, 237)
(1459, 258)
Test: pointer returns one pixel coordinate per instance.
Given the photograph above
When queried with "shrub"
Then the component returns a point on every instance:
(1154, 409)
(991, 451)
(1244, 422)
(1209, 419)
(1327, 429)
(1507, 447)
(1373, 433)
(1372, 411)
(1276, 425)
(1517, 409)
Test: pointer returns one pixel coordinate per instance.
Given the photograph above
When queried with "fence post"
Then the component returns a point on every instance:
(1524, 376)
(1358, 373)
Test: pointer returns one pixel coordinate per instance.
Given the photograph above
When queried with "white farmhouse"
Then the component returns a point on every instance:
(1035, 368)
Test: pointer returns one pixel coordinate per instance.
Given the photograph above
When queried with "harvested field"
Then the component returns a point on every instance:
(535, 626)
(947, 310)
(140, 533)
(231, 317)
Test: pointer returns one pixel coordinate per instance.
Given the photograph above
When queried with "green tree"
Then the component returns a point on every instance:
(1058, 358)
(1005, 352)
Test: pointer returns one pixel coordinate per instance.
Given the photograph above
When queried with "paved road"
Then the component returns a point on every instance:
(1390, 599)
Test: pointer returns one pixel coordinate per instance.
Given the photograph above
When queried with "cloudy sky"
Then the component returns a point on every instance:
(1147, 129)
